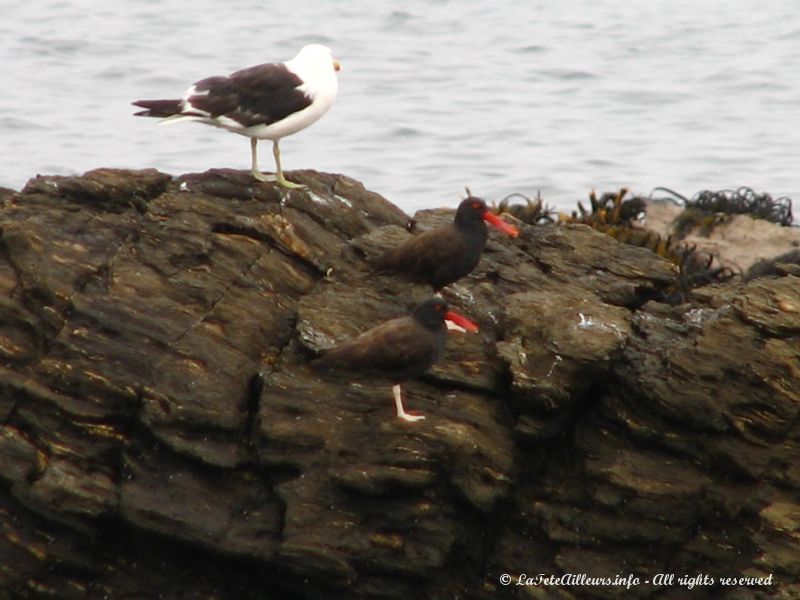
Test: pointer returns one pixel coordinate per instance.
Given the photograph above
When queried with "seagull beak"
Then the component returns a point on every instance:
(463, 322)
(500, 224)
(337, 66)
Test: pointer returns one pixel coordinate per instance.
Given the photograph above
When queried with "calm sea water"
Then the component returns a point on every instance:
(556, 97)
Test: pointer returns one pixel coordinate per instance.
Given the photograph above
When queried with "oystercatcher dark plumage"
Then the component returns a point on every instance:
(399, 349)
(445, 254)
(264, 102)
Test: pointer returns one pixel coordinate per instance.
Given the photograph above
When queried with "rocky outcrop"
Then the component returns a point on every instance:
(738, 241)
(163, 436)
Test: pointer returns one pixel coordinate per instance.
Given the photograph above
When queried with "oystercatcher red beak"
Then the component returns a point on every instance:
(500, 224)
(460, 321)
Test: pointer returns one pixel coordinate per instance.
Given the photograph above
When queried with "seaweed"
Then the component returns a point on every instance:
(695, 269)
(609, 210)
(707, 209)
(532, 212)
(615, 216)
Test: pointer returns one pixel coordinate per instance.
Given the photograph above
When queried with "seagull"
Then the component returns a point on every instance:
(264, 102)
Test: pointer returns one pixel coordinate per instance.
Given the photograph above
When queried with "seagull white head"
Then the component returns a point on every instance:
(314, 56)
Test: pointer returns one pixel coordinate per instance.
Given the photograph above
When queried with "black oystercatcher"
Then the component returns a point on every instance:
(445, 254)
(400, 349)
(265, 102)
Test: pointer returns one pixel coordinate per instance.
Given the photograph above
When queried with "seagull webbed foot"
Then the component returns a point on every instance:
(258, 175)
(289, 185)
(279, 179)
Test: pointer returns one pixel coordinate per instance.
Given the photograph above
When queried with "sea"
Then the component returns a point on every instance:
(542, 98)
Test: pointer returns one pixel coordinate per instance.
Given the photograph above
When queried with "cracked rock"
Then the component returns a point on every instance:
(162, 433)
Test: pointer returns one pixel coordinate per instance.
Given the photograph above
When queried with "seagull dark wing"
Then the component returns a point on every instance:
(259, 95)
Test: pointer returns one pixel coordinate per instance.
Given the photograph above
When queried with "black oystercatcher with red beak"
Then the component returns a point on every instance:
(400, 349)
(445, 254)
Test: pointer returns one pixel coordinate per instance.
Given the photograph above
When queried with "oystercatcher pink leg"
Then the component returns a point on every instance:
(398, 400)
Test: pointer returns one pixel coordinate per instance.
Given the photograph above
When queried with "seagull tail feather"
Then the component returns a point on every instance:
(159, 108)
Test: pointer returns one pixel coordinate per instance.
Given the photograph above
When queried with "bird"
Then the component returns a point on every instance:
(263, 102)
(399, 349)
(445, 254)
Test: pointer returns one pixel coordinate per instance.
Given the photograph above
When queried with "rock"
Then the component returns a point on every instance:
(739, 241)
(783, 264)
(163, 435)
(557, 342)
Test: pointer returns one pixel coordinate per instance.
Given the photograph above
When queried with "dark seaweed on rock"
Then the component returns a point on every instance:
(532, 212)
(609, 210)
(697, 269)
(615, 216)
(708, 209)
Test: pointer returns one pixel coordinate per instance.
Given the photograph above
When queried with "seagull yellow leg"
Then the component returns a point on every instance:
(254, 162)
(276, 152)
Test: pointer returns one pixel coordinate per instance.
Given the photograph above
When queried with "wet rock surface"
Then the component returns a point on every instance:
(163, 436)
